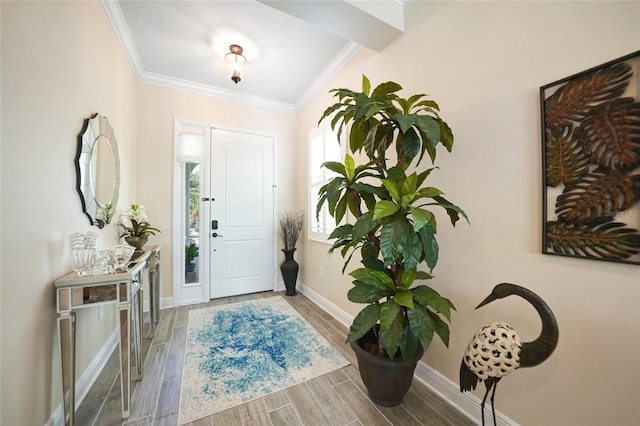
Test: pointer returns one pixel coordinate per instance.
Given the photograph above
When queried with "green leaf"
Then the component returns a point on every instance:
(430, 128)
(349, 167)
(446, 135)
(333, 194)
(373, 263)
(405, 121)
(407, 277)
(341, 231)
(336, 119)
(385, 89)
(364, 293)
(429, 245)
(423, 176)
(429, 105)
(391, 336)
(388, 312)
(370, 249)
(377, 279)
(341, 208)
(369, 189)
(410, 184)
(420, 217)
(321, 200)
(366, 319)
(404, 298)
(429, 192)
(335, 166)
(393, 237)
(422, 275)
(357, 135)
(384, 208)
(426, 296)
(330, 110)
(421, 324)
(411, 144)
(441, 327)
(453, 211)
(393, 189)
(366, 85)
(373, 110)
(408, 344)
(369, 142)
(363, 226)
(412, 250)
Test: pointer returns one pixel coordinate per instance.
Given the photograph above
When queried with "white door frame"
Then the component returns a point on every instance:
(201, 291)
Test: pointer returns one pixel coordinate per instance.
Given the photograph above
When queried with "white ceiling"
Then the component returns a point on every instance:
(291, 47)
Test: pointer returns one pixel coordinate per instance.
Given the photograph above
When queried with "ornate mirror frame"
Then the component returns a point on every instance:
(98, 170)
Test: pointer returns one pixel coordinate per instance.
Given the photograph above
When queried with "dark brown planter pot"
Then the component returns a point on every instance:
(387, 380)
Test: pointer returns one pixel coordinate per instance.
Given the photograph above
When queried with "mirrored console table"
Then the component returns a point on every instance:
(124, 290)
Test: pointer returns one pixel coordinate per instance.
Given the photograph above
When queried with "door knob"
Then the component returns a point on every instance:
(215, 234)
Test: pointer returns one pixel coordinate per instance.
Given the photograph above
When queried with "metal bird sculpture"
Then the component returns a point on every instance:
(496, 350)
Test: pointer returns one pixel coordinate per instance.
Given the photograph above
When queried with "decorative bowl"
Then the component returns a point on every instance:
(117, 258)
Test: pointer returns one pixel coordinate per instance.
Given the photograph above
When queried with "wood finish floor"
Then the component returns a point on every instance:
(337, 398)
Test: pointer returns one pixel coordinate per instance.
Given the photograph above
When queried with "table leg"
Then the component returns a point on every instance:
(137, 331)
(67, 339)
(156, 290)
(125, 361)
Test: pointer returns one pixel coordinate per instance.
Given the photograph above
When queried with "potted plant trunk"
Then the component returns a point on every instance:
(290, 228)
(393, 229)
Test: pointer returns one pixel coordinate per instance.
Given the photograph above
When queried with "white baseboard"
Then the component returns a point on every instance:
(88, 377)
(325, 304)
(467, 403)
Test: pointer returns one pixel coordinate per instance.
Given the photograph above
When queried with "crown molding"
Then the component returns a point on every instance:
(114, 13)
(340, 61)
(116, 18)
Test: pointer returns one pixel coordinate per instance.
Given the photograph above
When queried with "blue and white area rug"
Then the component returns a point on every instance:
(242, 351)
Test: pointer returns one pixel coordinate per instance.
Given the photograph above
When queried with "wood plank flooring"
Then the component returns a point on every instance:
(337, 398)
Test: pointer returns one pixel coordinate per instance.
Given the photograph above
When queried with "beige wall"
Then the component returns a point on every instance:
(60, 63)
(484, 63)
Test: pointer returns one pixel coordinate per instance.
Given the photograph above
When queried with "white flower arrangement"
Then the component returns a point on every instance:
(140, 227)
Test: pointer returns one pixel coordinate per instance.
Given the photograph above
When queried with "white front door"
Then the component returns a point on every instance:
(241, 223)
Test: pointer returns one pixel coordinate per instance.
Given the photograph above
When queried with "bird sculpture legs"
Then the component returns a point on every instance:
(489, 383)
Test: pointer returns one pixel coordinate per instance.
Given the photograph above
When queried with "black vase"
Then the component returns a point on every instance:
(289, 269)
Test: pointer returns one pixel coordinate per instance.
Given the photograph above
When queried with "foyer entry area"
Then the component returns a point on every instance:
(224, 208)
(344, 398)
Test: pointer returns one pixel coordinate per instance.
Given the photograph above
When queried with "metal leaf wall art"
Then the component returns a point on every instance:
(591, 157)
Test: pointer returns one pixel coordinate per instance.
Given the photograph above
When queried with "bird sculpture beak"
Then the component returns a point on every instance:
(490, 298)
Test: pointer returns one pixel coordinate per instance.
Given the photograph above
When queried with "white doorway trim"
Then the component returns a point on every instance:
(201, 292)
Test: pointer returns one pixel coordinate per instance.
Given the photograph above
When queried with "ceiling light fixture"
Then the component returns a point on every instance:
(235, 58)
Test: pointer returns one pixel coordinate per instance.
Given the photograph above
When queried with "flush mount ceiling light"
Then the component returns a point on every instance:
(235, 58)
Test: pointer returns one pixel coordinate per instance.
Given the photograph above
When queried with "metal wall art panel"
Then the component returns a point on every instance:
(591, 160)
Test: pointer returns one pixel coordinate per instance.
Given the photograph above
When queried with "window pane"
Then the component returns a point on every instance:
(323, 147)
(192, 215)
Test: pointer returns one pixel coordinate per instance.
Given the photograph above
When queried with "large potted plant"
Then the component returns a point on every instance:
(393, 229)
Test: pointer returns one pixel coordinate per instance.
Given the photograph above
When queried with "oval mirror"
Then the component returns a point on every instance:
(98, 170)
